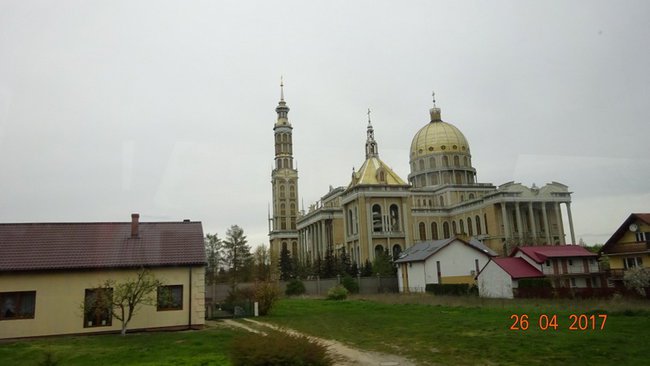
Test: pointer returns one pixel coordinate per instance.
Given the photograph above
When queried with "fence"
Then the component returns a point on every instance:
(218, 292)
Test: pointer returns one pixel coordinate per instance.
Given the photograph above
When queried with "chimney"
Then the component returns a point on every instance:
(135, 230)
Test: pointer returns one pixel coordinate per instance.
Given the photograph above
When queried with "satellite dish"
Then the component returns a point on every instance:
(633, 228)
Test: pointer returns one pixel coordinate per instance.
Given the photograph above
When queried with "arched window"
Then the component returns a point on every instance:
(445, 161)
(376, 218)
(471, 196)
(465, 161)
(382, 176)
(430, 202)
(454, 229)
(282, 209)
(378, 250)
(293, 223)
(434, 231)
(456, 161)
(470, 230)
(462, 226)
(435, 178)
(281, 190)
(293, 208)
(445, 229)
(478, 225)
(442, 201)
(421, 163)
(350, 221)
(394, 218)
(458, 178)
(423, 232)
(397, 249)
(292, 191)
(432, 162)
(485, 222)
(294, 249)
(284, 245)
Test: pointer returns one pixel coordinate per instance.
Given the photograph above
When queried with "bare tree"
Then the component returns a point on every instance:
(124, 299)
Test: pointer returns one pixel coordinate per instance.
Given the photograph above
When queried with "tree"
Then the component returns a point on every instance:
(262, 263)
(366, 269)
(214, 255)
(329, 264)
(124, 299)
(286, 265)
(237, 254)
(383, 264)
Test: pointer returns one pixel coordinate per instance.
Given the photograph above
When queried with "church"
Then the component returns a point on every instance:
(377, 210)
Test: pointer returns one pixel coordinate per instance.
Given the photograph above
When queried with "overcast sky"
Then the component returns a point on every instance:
(167, 108)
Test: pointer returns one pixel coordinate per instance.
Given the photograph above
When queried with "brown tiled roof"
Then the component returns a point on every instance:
(540, 253)
(49, 246)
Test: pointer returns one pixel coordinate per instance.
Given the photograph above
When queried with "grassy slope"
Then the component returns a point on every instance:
(453, 335)
(207, 347)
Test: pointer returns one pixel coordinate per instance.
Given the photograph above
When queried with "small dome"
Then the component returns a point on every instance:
(436, 137)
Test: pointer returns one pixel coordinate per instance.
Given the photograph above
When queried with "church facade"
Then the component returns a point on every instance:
(378, 210)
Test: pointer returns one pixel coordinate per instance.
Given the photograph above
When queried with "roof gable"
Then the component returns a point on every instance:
(49, 246)
(425, 249)
(643, 217)
(375, 172)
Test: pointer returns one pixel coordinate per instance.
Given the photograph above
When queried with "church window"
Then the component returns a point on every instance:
(478, 225)
(465, 161)
(432, 162)
(397, 249)
(284, 245)
(430, 202)
(471, 196)
(378, 250)
(423, 181)
(376, 218)
(486, 223)
(454, 228)
(356, 221)
(294, 249)
(349, 222)
(394, 218)
(443, 147)
(423, 231)
(470, 230)
(445, 161)
(435, 178)
(292, 191)
(281, 190)
(456, 161)
(293, 208)
(421, 163)
(445, 229)
(442, 201)
(434, 231)
(430, 148)
(282, 209)
(455, 147)
(461, 223)
(293, 223)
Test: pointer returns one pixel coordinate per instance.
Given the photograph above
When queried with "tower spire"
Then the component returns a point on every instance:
(282, 89)
(435, 111)
(371, 144)
(282, 109)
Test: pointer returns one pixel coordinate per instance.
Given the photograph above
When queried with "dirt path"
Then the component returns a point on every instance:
(345, 355)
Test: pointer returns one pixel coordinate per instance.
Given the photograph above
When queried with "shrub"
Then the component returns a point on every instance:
(637, 279)
(535, 283)
(266, 294)
(278, 349)
(295, 287)
(350, 284)
(337, 292)
(457, 289)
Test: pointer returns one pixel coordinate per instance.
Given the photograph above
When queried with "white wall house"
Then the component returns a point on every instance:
(445, 261)
(501, 275)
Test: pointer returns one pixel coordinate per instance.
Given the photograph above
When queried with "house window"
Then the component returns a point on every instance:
(17, 305)
(97, 307)
(570, 262)
(632, 262)
(170, 297)
(573, 282)
(641, 236)
(548, 263)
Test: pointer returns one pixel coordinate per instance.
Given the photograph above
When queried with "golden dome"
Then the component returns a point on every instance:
(438, 136)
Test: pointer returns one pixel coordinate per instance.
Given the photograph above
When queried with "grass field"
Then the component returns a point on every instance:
(477, 334)
(205, 347)
(424, 328)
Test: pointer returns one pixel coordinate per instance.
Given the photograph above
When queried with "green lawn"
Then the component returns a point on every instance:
(205, 347)
(470, 335)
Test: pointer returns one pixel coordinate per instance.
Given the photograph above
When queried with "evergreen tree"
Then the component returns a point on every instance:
(286, 265)
(237, 254)
(354, 269)
(214, 256)
(317, 267)
(367, 269)
(344, 264)
(383, 264)
(329, 265)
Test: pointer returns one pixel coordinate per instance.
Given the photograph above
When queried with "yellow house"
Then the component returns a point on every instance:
(629, 246)
(50, 272)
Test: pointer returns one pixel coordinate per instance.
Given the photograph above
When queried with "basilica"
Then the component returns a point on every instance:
(377, 210)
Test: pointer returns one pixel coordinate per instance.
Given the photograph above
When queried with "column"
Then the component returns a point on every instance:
(547, 229)
(520, 228)
(531, 219)
(568, 211)
(560, 226)
(504, 217)
(404, 224)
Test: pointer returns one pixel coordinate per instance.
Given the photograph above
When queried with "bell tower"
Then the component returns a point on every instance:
(284, 180)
